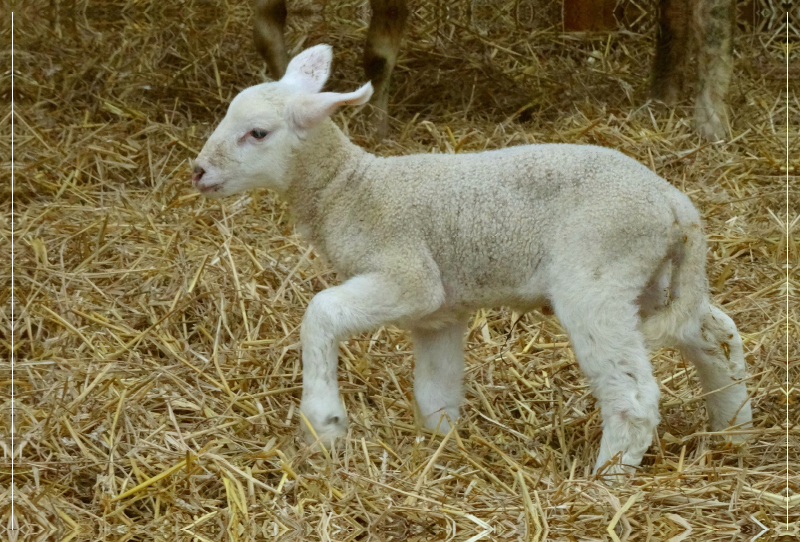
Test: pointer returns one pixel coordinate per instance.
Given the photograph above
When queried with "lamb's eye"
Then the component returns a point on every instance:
(259, 134)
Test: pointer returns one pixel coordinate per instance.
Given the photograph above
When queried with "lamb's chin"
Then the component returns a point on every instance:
(217, 190)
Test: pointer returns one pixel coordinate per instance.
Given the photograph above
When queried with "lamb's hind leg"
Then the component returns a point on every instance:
(714, 346)
(270, 18)
(602, 323)
(438, 373)
(380, 54)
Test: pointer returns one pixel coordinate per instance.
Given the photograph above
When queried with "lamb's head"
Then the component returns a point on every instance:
(266, 125)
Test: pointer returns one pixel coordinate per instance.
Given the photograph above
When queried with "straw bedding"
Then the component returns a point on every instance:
(157, 371)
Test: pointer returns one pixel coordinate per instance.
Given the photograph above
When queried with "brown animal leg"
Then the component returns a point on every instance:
(268, 35)
(672, 48)
(714, 25)
(380, 54)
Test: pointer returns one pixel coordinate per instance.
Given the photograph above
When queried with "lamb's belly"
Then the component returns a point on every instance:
(521, 290)
(523, 299)
(455, 310)
(461, 302)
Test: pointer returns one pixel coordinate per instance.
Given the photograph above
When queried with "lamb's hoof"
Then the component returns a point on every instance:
(733, 430)
(735, 440)
(616, 474)
(327, 427)
(441, 420)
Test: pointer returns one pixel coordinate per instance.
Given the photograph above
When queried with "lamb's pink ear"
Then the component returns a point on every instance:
(308, 110)
(309, 70)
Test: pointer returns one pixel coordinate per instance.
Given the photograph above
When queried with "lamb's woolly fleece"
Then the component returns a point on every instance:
(424, 239)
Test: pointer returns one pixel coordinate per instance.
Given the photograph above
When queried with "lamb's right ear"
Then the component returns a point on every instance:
(309, 70)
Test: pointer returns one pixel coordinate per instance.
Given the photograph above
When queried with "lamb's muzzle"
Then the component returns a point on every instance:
(423, 240)
(197, 174)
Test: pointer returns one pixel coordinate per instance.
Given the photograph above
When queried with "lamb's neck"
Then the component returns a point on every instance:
(326, 156)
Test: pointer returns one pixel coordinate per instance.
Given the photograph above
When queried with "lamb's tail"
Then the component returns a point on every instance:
(684, 271)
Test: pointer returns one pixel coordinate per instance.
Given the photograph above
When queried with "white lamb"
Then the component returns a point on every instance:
(425, 239)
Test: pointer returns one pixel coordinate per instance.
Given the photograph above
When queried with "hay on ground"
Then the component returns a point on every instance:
(158, 371)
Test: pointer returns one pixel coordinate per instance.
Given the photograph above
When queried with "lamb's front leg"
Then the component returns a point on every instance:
(362, 303)
(438, 373)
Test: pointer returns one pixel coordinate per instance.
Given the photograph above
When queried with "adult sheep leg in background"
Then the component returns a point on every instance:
(270, 20)
(672, 50)
(704, 27)
(685, 27)
(714, 26)
(380, 53)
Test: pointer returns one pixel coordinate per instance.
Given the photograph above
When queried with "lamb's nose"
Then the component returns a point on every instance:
(198, 174)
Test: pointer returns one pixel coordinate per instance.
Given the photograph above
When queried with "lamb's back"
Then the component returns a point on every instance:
(532, 189)
(493, 219)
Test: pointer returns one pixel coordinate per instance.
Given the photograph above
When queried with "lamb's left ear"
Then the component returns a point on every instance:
(309, 70)
(307, 110)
